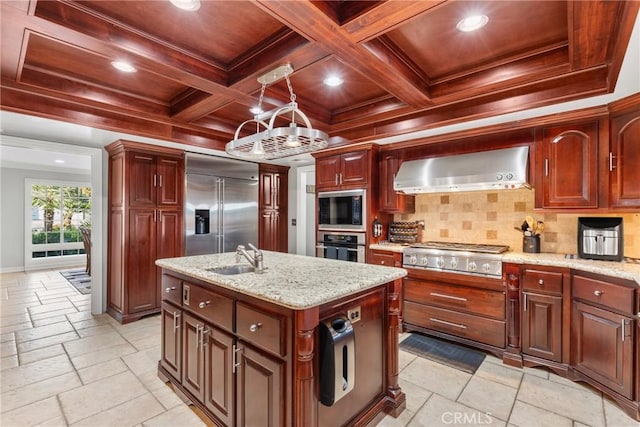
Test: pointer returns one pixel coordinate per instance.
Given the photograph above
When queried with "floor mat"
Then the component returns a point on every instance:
(456, 356)
(79, 279)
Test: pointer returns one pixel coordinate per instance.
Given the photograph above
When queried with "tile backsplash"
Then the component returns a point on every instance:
(490, 217)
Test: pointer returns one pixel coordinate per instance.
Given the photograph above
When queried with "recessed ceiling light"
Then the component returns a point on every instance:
(123, 66)
(59, 161)
(255, 111)
(472, 23)
(333, 81)
(190, 5)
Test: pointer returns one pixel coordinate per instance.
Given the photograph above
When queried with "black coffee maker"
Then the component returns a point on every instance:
(600, 238)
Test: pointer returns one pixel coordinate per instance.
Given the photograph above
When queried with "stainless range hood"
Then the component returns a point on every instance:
(486, 170)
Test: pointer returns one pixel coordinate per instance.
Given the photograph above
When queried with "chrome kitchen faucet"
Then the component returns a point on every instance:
(256, 260)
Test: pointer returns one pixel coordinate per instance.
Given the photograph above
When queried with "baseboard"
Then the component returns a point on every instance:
(12, 270)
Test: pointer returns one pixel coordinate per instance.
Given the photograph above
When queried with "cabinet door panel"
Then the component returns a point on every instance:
(542, 326)
(570, 166)
(142, 179)
(142, 288)
(602, 347)
(192, 356)
(171, 340)
(327, 171)
(170, 181)
(625, 149)
(219, 375)
(354, 167)
(390, 201)
(260, 385)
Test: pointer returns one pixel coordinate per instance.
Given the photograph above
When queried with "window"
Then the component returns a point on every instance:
(58, 212)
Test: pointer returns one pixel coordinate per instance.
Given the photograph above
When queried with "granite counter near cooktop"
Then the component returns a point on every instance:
(293, 281)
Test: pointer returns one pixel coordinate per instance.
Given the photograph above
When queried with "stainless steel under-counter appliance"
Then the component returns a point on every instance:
(466, 258)
(221, 206)
(341, 246)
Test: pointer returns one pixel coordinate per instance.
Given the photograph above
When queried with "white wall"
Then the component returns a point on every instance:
(12, 214)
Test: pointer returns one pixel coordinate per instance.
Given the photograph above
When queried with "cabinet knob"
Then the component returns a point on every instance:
(597, 293)
(255, 327)
(382, 262)
(540, 282)
(173, 288)
(204, 304)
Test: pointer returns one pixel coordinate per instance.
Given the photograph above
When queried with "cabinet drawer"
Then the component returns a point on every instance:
(171, 289)
(472, 300)
(542, 281)
(382, 258)
(260, 328)
(487, 331)
(611, 295)
(212, 307)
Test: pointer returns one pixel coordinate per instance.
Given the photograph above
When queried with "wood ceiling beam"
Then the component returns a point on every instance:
(385, 17)
(306, 19)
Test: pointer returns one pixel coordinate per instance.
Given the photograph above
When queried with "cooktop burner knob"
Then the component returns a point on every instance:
(440, 262)
(453, 263)
(424, 260)
(414, 259)
(473, 266)
(486, 267)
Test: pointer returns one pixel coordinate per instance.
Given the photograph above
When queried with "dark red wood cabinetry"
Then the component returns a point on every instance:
(273, 208)
(342, 171)
(145, 223)
(624, 157)
(567, 175)
(388, 258)
(390, 200)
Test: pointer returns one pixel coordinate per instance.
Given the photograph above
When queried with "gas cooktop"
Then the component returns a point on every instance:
(467, 247)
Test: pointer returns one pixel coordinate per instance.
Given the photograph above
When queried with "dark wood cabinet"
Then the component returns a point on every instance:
(171, 346)
(388, 258)
(259, 387)
(219, 375)
(193, 331)
(567, 173)
(346, 170)
(272, 207)
(603, 346)
(390, 200)
(542, 309)
(624, 159)
(145, 223)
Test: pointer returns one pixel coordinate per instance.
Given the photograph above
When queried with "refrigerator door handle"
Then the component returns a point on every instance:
(221, 204)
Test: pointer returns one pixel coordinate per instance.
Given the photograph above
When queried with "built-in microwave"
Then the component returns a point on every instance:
(342, 210)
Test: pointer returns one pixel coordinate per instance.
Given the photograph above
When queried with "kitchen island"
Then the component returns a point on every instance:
(254, 349)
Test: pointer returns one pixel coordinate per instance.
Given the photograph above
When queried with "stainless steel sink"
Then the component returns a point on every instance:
(229, 270)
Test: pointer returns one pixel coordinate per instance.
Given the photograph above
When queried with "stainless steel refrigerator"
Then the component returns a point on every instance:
(221, 209)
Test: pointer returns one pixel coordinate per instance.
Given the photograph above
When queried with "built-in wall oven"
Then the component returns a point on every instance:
(341, 246)
(342, 210)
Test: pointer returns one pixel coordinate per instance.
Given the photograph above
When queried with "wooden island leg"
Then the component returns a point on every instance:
(304, 401)
(396, 399)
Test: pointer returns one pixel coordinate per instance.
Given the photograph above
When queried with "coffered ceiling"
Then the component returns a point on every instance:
(405, 65)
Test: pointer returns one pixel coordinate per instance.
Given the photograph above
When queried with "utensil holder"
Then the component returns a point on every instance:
(531, 244)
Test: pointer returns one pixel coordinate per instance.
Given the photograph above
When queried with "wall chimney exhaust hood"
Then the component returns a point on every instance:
(486, 170)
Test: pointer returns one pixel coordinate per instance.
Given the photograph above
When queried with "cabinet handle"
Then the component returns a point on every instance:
(597, 293)
(197, 336)
(541, 282)
(623, 334)
(234, 357)
(341, 181)
(611, 157)
(435, 294)
(203, 304)
(546, 167)
(155, 180)
(173, 288)
(176, 325)
(524, 302)
(160, 179)
(254, 327)
(202, 332)
(337, 179)
(444, 322)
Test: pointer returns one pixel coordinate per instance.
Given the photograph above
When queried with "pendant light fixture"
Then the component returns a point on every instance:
(274, 143)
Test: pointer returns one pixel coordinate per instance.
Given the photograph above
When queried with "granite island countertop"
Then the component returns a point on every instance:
(293, 281)
(623, 270)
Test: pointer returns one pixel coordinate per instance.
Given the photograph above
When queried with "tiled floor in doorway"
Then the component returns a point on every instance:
(62, 366)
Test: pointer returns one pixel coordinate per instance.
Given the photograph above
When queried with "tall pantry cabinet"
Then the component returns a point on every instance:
(146, 185)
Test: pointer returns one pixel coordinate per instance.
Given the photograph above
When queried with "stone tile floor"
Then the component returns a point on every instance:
(62, 366)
